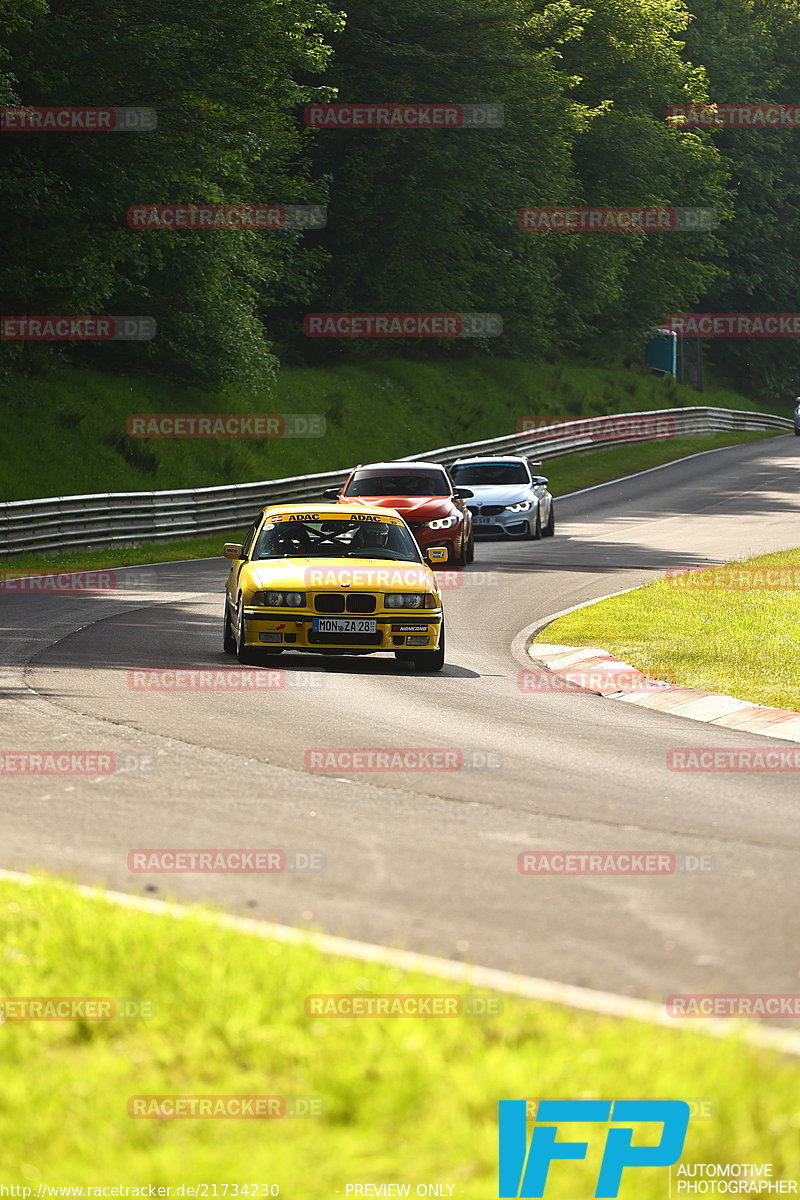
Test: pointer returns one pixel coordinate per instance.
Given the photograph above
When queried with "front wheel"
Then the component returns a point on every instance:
(550, 527)
(228, 640)
(471, 547)
(431, 660)
(245, 654)
(463, 553)
(536, 532)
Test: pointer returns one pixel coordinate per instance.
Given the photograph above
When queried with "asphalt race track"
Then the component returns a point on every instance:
(428, 860)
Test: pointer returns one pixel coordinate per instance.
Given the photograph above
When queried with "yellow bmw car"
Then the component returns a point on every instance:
(328, 579)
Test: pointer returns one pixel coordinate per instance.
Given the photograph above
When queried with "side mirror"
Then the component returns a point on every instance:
(232, 550)
(463, 493)
(539, 479)
(437, 554)
(331, 493)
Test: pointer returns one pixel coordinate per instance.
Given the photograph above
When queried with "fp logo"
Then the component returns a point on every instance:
(523, 1172)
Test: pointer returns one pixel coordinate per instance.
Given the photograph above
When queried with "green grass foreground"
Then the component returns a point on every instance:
(733, 629)
(405, 1100)
(566, 473)
(64, 432)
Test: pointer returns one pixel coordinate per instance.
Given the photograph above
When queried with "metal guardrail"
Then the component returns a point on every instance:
(106, 518)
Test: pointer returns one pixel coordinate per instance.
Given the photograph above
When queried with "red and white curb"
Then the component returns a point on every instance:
(592, 669)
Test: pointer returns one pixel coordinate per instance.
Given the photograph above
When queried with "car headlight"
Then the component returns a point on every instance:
(409, 600)
(278, 599)
(443, 523)
(523, 506)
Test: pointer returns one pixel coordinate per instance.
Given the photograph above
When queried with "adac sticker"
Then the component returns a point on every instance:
(437, 554)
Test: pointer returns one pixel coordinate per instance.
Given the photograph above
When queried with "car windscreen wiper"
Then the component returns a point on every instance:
(392, 556)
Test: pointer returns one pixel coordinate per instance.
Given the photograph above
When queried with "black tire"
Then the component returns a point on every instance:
(431, 660)
(471, 547)
(245, 654)
(228, 640)
(550, 527)
(537, 529)
(462, 555)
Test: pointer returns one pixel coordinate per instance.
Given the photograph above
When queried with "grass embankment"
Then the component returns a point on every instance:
(405, 1100)
(64, 433)
(733, 629)
(566, 474)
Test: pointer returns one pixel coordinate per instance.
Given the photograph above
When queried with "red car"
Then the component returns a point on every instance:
(424, 496)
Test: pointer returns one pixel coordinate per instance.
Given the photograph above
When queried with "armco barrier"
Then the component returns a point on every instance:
(109, 517)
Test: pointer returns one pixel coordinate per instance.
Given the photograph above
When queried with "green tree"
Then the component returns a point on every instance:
(426, 220)
(751, 51)
(222, 79)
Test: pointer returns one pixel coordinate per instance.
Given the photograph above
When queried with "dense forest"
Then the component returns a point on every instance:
(418, 220)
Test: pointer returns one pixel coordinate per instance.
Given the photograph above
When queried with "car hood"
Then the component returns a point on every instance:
(500, 493)
(411, 508)
(321, 574)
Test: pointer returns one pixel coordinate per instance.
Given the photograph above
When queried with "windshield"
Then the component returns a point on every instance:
(345, 537)
(398, 483)
(490, 473)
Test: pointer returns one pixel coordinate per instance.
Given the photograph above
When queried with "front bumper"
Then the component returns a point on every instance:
(295, 632)
(508, 523)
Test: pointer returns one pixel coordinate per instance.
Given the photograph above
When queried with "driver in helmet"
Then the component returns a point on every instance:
(372, 535)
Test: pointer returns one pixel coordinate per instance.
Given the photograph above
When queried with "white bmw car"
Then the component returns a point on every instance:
(509, 498)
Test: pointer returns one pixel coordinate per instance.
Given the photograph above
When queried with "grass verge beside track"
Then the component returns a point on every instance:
(733, 629)
(406, 1100)
(567, 473)
(64, 433)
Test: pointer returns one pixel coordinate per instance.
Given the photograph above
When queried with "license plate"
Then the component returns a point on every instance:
(344, 625)
(483, 520)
